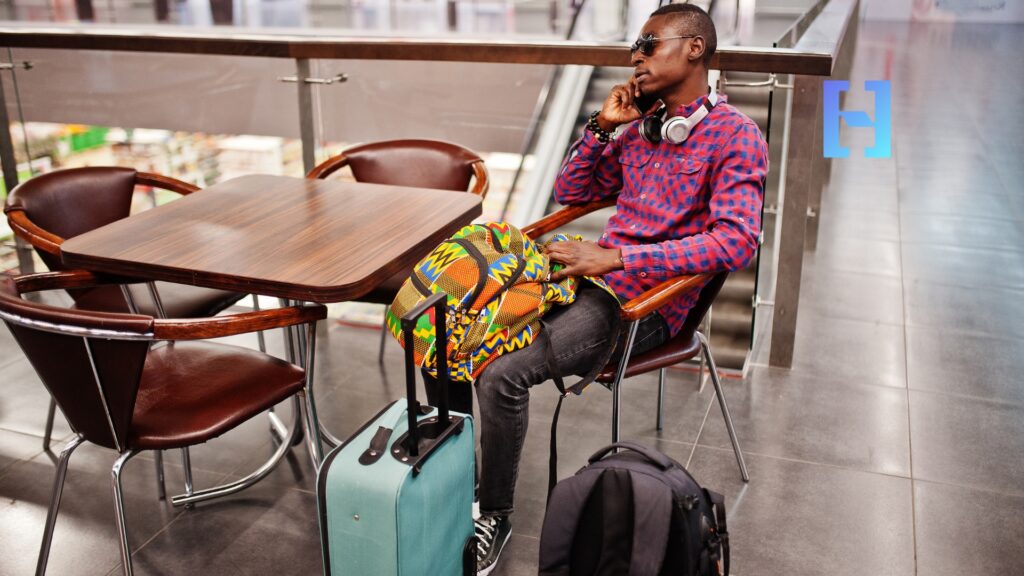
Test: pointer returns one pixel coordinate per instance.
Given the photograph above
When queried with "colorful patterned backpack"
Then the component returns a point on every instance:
(496, 281)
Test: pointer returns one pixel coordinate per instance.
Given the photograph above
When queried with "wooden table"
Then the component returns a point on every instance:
(308, 240)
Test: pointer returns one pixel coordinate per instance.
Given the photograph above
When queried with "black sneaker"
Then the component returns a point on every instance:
(492, 533)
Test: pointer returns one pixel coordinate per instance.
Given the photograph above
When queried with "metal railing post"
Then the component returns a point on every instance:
(307, 131)
(802, 161)
(26, 265)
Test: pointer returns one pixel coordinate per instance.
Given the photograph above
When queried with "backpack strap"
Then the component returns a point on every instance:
(560, 525)
(652, 523)
(556, 375)
(654, 456)
(718, 504)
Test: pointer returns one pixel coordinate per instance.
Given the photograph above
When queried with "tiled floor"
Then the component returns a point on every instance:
(894, 446)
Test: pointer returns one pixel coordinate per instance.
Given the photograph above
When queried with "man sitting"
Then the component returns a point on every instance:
(689, 202)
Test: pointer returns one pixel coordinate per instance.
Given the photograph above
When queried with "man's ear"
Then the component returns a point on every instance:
(697, 48)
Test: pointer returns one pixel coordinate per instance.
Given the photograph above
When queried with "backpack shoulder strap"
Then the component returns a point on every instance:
(561, 520)
(718, 504)
(652, 523)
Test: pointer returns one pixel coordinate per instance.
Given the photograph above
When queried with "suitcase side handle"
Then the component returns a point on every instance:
(438, 302)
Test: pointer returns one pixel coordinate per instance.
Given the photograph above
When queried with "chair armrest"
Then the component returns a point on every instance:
(660, 295)
(164, 182)
(230, 325)
(328, 167)
(482, 182)
(33, 234)
(68, 280)
(562, 217)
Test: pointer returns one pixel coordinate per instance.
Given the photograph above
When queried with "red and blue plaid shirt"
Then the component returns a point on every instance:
(685, 208)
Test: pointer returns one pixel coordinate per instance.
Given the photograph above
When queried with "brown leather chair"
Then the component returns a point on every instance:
(687, 344)
(120, 392)
(58, 205)
(414, 163)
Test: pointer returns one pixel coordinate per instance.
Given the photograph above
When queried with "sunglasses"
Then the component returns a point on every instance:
(645, 44)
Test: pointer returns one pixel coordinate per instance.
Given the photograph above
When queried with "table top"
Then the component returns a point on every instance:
(309, 240)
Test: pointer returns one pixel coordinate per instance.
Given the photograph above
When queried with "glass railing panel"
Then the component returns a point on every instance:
(201, 119)
(495, 17)
(485, 107)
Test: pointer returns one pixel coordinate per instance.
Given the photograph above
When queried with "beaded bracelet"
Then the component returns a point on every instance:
(601, 134)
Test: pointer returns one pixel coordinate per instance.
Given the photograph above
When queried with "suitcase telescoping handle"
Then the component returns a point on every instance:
(438, 302)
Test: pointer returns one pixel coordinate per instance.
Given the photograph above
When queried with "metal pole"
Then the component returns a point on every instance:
(307, 130)
(9, 164)
(800, 161)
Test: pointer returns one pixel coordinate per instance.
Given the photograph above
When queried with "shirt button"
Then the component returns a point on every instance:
(657, 164)
(632, 227)
(643, 274)
(643, 195)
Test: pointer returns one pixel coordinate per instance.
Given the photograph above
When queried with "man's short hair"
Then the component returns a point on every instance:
(692, 19)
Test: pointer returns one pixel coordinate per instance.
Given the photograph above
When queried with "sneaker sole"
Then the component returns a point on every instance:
(491, 568)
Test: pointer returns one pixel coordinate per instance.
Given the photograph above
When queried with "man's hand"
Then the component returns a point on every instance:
(618, 108)
(583, 259)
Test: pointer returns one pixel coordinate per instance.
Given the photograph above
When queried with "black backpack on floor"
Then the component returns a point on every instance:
(636, 512)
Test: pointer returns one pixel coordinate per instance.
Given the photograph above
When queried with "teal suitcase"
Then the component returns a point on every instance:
(393, 503)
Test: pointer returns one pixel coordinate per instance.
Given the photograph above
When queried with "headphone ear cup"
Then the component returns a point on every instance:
(676, 130)
(650, 129)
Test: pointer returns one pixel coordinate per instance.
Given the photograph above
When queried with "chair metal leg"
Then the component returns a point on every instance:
(383, 339)
(713, 371)
(51, 515)
(48, 433)
(617, 384)
(161, 486)
(316, 447)
(661, 399)
(261, 472)
(186, 463)
(126, 553)
(259, 333)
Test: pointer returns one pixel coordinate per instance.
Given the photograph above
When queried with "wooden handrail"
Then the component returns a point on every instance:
(455, 49)
(826, 34)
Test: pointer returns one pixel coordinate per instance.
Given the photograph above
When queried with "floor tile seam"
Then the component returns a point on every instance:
(990, 401)
(844, 382)
(872, 273)
(1001, 249)
(906, 363)
(829, 316)
(729, 450)
(984, 137)
(178, 465)
(968, 332)
(949, 214)
(1015, 290)
(989, 491)
(916, 278)
(14, 360)
(980, 247)
(177, 515)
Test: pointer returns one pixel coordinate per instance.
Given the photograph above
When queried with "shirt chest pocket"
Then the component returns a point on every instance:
(685, 181)
(635, 165)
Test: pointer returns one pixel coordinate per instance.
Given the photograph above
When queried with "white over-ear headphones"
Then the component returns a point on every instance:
(655, 128)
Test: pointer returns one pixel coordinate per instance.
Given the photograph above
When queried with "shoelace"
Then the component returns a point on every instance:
(486, 528)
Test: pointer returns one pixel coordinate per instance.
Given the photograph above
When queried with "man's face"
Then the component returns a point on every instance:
(670, 60)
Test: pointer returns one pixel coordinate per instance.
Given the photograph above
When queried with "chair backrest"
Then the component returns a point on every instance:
(707, 297)
(419, 163)
(70, 202)
(91, 362)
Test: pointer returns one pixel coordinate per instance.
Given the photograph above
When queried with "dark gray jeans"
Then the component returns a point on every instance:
(581, 336)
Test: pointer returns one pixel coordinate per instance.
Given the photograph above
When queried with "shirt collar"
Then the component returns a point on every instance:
(688, 109)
